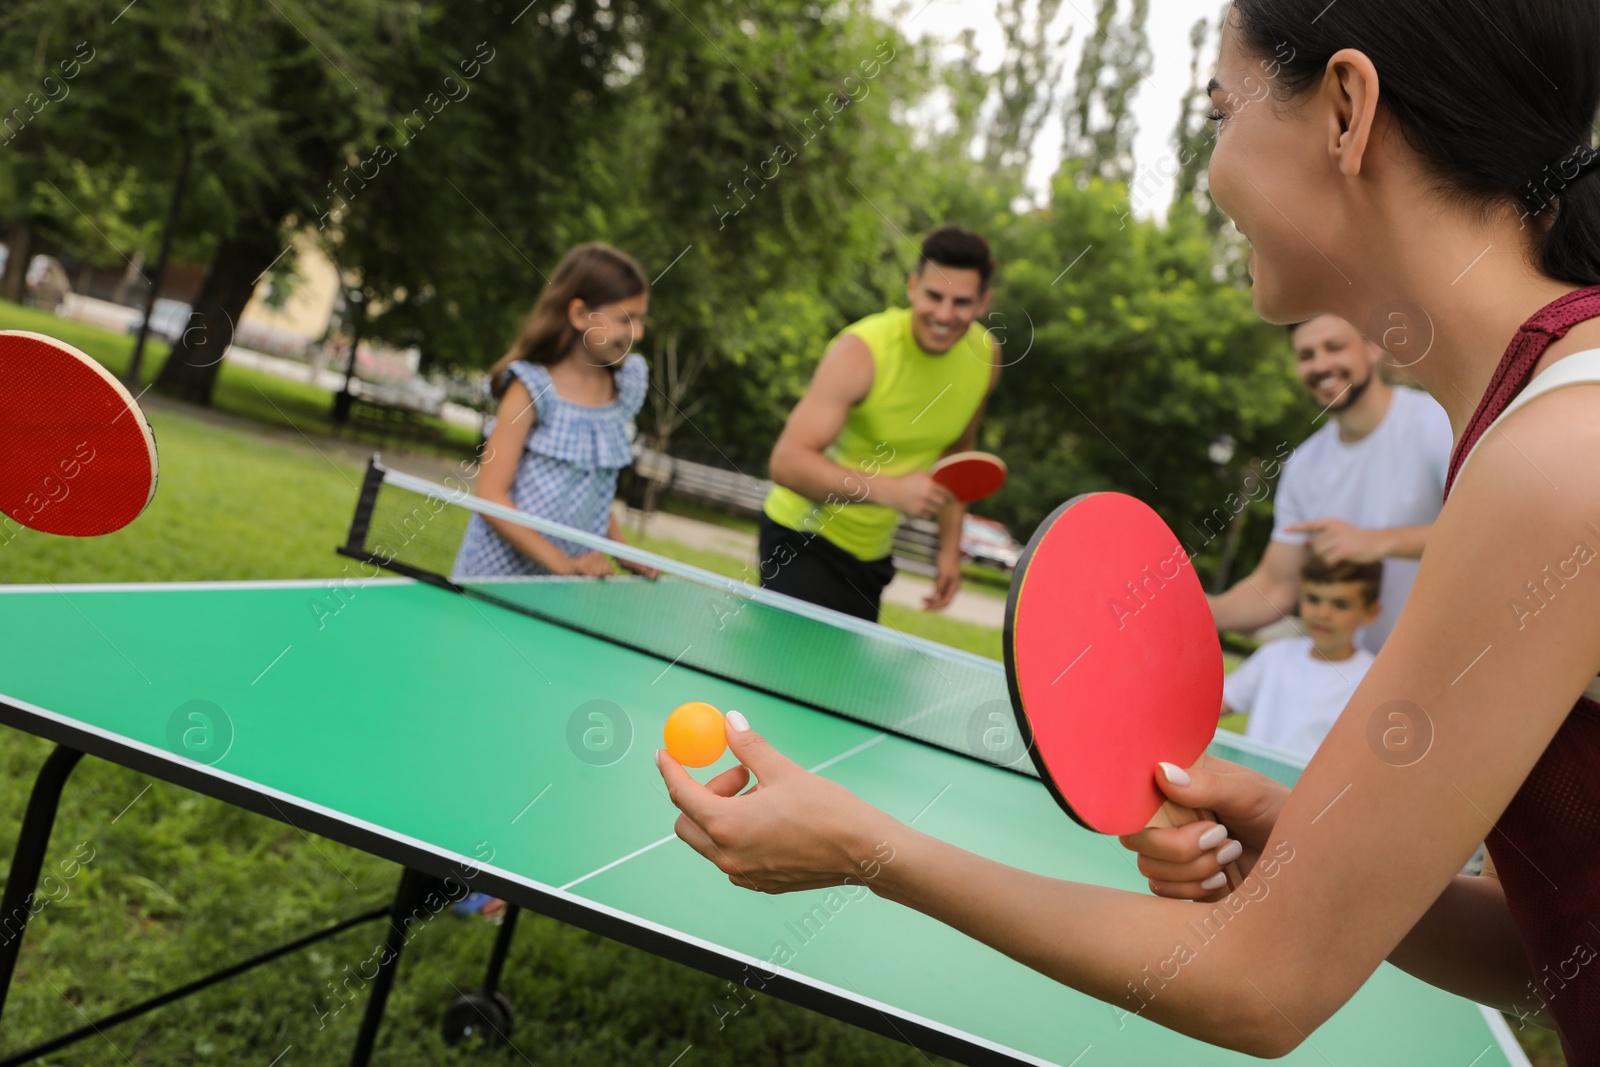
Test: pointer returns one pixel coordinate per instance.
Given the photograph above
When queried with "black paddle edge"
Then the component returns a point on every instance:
(1009, 651)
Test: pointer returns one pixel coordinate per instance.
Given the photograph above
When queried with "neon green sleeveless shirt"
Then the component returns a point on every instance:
(918, 406)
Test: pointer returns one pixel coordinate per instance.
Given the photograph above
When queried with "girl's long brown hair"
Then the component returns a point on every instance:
(595, 273)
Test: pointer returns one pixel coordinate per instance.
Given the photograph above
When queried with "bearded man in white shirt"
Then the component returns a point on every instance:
(1365, 487)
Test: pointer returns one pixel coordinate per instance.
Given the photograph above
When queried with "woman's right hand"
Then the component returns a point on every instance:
(1182, 862)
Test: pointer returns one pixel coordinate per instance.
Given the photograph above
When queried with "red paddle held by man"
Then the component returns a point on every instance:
(970, 476)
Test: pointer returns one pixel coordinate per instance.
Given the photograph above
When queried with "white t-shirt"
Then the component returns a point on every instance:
(1392, 477)
(1291, 696)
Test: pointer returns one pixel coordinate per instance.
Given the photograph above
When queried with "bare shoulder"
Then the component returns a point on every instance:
(846, 372)
(1529, 494)
(1541, 455)
(516, 406)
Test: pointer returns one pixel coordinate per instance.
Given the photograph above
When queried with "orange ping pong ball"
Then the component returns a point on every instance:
(694, 734)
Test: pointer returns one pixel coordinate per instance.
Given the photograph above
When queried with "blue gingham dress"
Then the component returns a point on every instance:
(568, 470)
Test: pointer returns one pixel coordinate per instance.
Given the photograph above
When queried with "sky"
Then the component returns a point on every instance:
(1155, 105)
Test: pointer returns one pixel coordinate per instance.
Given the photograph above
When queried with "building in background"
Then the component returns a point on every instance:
(289, 323)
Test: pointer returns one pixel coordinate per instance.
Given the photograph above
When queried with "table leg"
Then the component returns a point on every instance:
(502, 948)
(406, 898)
(28, 859)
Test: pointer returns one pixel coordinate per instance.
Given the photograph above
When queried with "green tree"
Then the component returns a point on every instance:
(1127, 357)
(103, 211)
(271, 95)
(39, 93)
(768, 172)
(749, 163)
(1194, 136)
(490, 160)
(1026, 84)
(264, 93)
(1099, 123)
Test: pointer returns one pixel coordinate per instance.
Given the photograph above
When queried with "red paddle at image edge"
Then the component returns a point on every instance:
(970, 476)
(1113, 661)
(76, 454)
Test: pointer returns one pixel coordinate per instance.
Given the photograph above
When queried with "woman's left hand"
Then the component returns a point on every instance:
(794, 830)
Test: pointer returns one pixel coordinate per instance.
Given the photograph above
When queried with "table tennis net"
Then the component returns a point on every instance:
(723, 626)
(726, 627)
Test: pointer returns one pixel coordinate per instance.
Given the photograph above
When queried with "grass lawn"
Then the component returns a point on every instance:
(179, 884)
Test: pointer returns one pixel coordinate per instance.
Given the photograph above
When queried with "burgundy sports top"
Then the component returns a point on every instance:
(1546, 846)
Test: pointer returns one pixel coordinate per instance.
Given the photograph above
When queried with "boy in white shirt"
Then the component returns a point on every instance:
(1294, 689)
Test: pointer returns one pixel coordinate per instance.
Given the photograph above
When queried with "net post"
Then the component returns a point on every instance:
(371, 482)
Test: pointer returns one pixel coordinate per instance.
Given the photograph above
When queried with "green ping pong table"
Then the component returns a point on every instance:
(514, 754)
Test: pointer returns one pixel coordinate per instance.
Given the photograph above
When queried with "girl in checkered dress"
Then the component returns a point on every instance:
(568, 389)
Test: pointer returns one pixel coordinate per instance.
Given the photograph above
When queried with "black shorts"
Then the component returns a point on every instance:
(812, 568)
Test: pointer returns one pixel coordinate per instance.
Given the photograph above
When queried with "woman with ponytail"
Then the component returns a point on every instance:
(1424, 170)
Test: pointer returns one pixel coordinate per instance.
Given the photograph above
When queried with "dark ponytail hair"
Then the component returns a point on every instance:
(595, 273)
(1494, 95)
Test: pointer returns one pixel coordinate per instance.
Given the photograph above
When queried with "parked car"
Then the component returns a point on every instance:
(989, 543)
(168, 320)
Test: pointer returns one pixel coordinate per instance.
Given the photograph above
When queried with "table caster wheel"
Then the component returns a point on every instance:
(477, 1018)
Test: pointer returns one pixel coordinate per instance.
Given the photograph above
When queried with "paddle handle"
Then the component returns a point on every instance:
(1171, 813)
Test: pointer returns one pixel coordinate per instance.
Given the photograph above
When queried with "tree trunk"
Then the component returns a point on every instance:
(190, 373)
(130, 277)
(1230, 545)
(19, 245)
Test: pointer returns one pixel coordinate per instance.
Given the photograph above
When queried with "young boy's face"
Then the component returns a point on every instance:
(1333, 611)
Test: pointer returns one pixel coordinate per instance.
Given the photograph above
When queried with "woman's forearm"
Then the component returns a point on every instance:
(1158, 962)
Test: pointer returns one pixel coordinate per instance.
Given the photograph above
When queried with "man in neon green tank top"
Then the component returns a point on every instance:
(894, 393)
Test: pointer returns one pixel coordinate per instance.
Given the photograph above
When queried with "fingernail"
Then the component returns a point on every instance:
(658, 757)
(738, 722)
(1216, 881)
(1229, 852)
(1175, 774)
(1213, 837)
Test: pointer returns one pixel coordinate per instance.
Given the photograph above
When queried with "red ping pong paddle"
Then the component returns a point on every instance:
(970, 476)
(1113, 661)
(76, 454)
